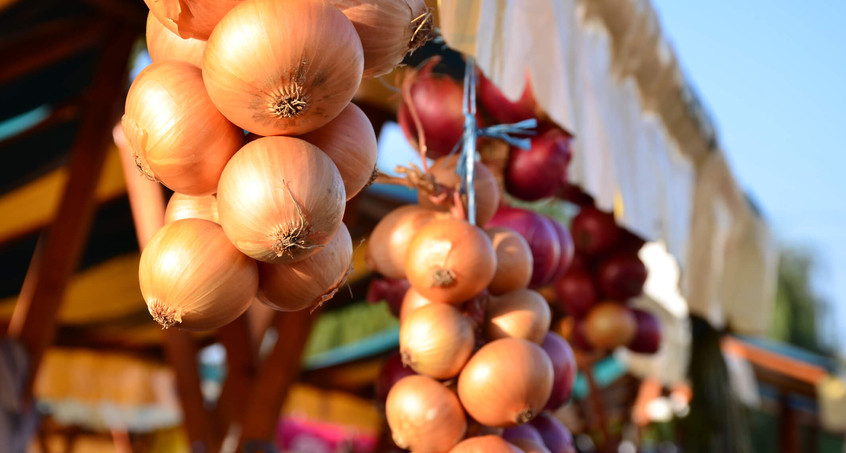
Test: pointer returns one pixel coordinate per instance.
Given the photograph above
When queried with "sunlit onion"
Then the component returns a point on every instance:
(513, 260)
(190, 18)
(183, 206)
(485, 444)
(388, 243)
(486, 188)
(163, 44)
(424, 415)
(436, 340)
(522, 313)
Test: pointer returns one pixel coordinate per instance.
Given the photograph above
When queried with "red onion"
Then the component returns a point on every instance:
(575, 195)
(568, 249)
(577, 336)
(563, 369)
(524, 431)
(437, 102)
(594, 231)
(392, 371)
(647, 340)
(556, 436)
(575, 292)
(621, 276)
(500, 107)
(541, 236)
(539, 171)
(391, 290)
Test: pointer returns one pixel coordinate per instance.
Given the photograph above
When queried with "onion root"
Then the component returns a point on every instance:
(165, 315)
(293, 234)
(443, 277)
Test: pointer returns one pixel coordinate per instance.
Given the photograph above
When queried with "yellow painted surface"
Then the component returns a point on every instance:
(334, 407)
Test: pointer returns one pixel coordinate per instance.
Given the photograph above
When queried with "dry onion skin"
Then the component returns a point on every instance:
(310, 282)
(412, 301)
(388, 243)
(280, 199)
(436, 340)
(523, 313)
(193, 278)
(163, 44)
(450, 261)
(506, 382)
(181, 206)
(389, 29)
(485, 444)
(513, 260)
(282, 67)
(487, 189)
(190, 18)
(176, 134)
(349, 140)
(424, 415)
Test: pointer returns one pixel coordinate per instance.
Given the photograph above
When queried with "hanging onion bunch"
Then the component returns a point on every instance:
(183, 206)
(388, 244)
(444, 172)
(424, 415)
(176, 134)
(190, 18)
(282, 67)
(193, 278)
(163, 44)
(388, 29)
(280, 199)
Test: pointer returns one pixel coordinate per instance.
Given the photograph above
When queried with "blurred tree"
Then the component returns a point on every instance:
(798, 308)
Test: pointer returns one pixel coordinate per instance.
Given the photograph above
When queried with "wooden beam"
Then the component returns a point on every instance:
(55, 41)
(60, 247)
(146, 200)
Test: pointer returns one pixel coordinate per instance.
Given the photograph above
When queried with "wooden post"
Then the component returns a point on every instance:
(60, 247)
(788, 427)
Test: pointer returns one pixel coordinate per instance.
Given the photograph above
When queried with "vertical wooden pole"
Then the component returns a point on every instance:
(788, 427)
(60, 247)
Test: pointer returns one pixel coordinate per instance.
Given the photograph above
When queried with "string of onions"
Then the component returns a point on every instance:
(519, 314)
(387, 246)
(193, 278)
(280, 199)
(424, 415)
(310, 282)
(163, 44)
(513, 260)
(176, 134)
(436, 340)
(349, 140)
(282, 68)
(412, 301)
(487, 189)
(181, 206)
(388, 29)
(190, 18)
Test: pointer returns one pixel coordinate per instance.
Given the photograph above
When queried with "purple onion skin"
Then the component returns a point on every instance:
(564, 369)
(437, 101)
(647, 340)
(390, 290)
(541, 236)
(392, 371)
(556, 436)
(568, 249)
(524, 431)
(540, 171)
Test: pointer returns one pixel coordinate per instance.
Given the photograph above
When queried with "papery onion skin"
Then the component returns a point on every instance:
(163, 44)
(192, 277)
(436, 340)
(310, 282)
(280, 199)
(485, 444)
(388, 243)
(541, 236)
(522, 313)
(181, 206)
(175, 133)
(513, 260)
(349, 140)
(502, 108)
(412, 301)
(282, 68)
(487, 190)
(389, 29)
(450, 261)
(190, 18)
(564, 369)
(424, 415)
(506, 382)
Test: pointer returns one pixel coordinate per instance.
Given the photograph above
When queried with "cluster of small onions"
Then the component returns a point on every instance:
(436, 102)
(596, 291)
(257, 215)
(475, 351)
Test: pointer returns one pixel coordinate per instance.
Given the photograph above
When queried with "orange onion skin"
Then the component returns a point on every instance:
(388, 243)
(523, 313)
(424, 415)
(190, 18)
(280, 199)
(485, 444)
(450, 261)
(282, 67)
(181, 206)
(163, 44)
(310, 282)
(193, 278)
(349, 140)
(389, 29)
(412, 301)
(609, 324)
(530, 446)
(506, 382)
(513, 260)
(175, 133)
(436, 340)
(487, 190)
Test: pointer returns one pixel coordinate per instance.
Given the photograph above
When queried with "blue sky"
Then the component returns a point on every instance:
(772, 73)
